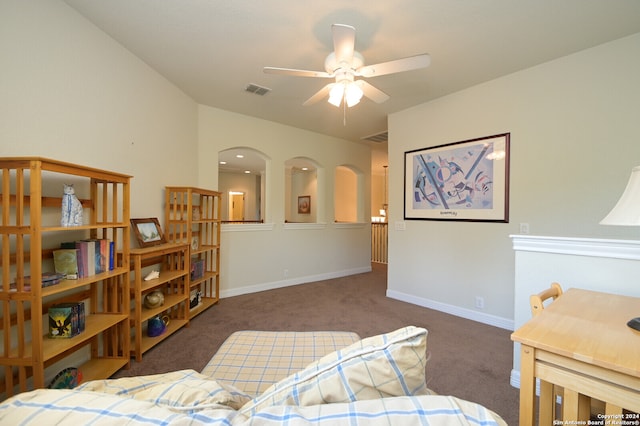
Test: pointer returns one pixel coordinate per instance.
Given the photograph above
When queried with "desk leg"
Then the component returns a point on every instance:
(612, 410)
(527, 385)
(575, 406)
(546, 403)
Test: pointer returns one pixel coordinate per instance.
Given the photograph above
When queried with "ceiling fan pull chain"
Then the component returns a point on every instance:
(344, 113)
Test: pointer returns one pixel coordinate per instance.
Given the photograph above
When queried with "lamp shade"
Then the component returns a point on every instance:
(353, 93)
(336, 94)
(627, 211)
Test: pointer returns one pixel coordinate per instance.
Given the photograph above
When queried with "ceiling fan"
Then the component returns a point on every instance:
(344, 64)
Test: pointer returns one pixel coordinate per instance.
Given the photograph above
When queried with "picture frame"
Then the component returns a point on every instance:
(304, 204)
(148, 232)
(459, 181)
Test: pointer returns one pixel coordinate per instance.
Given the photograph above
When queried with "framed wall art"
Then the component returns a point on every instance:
(304, 204)
(467, 180)
(148, 232)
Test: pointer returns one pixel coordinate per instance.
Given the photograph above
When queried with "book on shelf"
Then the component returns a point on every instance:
(48, 279)
(197, 269)
(66, 320)
(112, 255)
(65, 261)
(94, 256)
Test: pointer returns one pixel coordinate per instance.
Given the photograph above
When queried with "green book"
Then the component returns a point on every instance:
(66, 261)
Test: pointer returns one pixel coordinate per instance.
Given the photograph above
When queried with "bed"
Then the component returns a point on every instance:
(268, 378)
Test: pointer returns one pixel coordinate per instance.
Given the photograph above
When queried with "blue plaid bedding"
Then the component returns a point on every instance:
(382, 370)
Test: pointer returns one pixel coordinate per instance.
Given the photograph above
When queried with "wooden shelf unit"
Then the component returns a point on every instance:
(30, 205)
(174, 284)
(193, 216)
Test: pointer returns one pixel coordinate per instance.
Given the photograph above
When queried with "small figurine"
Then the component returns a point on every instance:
(196, 300)
(71, 208)
(152, 275)
(154, 299)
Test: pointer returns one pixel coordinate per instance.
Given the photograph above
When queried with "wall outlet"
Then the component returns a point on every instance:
(524, 228)
(479, 302)
(286, 273)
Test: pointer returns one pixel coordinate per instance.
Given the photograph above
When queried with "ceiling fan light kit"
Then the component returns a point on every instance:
(348, 91)
(344, 64)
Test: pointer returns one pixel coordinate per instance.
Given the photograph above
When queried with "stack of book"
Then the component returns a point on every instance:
(48, 279)
(84, 258)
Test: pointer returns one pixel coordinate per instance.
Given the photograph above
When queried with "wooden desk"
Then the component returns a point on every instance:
(581, 342)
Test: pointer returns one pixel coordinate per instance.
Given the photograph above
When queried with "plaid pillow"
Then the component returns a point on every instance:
(381, 366)
(183, 390)
(432, 410)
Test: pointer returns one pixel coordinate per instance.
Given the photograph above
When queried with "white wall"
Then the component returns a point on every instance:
(70, 92)
(574, 140)
(275, 254)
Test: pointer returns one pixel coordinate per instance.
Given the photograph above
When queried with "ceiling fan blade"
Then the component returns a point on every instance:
(319, 95)
(399, 65)
(371, 92)
(297, 73)
(344, 42)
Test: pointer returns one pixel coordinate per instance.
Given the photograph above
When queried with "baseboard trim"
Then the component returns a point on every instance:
(469, 314)
(292, 281)
(514, 379)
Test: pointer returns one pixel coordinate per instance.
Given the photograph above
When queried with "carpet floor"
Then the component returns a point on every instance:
(468, 359)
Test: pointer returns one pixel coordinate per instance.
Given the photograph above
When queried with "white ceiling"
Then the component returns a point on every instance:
(212, 49)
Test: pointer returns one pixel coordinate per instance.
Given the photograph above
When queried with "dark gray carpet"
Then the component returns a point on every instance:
(469, 360)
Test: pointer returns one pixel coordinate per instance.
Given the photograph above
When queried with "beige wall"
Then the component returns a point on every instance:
(69, 92)
(346, 195)
(240, 182)
(275, 254)
(574, 140)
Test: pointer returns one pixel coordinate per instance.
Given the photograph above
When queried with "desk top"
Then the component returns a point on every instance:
(588, 326)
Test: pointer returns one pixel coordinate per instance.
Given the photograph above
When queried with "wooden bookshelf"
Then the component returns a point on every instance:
(30, 205)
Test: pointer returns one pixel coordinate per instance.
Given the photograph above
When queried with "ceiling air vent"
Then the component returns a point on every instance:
(378, 137)
(258, 90)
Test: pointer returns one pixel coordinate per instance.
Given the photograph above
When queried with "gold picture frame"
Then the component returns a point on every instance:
(304, 204)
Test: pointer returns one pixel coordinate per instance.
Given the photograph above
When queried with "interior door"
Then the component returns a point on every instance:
(236, 206)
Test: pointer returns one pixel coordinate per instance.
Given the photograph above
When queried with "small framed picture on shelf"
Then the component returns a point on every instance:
(195, 243)
(148, 232)
(195, 213)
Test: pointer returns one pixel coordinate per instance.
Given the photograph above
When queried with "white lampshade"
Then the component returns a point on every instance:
(350, 92)
(336, 94)
(353, 93)
(627, 211)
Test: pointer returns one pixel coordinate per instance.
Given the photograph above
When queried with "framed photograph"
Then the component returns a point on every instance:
(304, 204)
(466, 181)
(148, 232)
